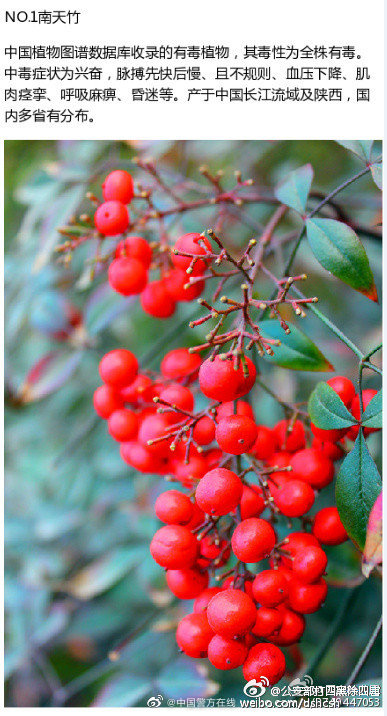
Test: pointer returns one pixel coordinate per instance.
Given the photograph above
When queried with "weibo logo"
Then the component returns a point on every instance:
(256, 688)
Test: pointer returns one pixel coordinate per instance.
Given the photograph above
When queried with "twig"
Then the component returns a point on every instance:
(364, 656)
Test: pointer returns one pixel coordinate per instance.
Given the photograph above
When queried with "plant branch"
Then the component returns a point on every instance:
(331, 326)
(343, 186)
(365, 654)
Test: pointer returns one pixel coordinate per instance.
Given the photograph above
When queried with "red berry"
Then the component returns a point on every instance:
(219, 491)
(268, 621)
(152, 428)
(111, 218)
(307, 598)
(328, 527)
(178, 396)
(367, 396)
(174, 547)
(294, 542)
(218, 554)
(310, 564)
(197, 518)
(213, 458)
(231, 613)
(176, 282)
(226, 653)
(333, 435)
(289, 436)
(264, 660)
(123, 425)
(186, 583)
(156, 300)
(202, 601)
(265, 443)
(291, 630)
(191, 244)
(236, 434)
(127, 276)
(193, 635)
(140, 457)
(218, 378)
(118, 186)
(253, 539)
(106, 400)
(280, 460)
(242, 408)
(180, 364)
(135, 247)
(343, 387)
(252, 501)
(231, 581)
(140, 390)
(250, 640)
(313, 467)
(204, 431)
(270, 588)
(192, 471)
(276, 482)
(330, 450)
(247, 374)
(293, 497)
(287, 573)
(118, 368)
(174, 508)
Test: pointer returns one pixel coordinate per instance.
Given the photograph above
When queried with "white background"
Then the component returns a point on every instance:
(301, 22)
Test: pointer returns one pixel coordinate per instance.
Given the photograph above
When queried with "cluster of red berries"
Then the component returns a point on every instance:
(128, 400)
(128, 272)
(112, 216)
(159, 297)
(244, 615)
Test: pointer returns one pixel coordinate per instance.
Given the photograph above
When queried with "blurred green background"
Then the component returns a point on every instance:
(78, 522)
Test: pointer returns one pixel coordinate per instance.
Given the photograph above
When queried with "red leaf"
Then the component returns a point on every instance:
(373, 553)
(47, 375)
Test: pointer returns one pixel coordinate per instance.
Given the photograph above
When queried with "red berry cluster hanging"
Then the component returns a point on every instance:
(237, 535)
(219, 543)
(163, 276)
(222, 541)
(128, 272)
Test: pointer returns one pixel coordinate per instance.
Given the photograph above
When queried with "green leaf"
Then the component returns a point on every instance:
(377, 175)
(296, 351)
(101, 574)
(362, 148)
(142, 658)
(327, 410)
(294, 190)
(357, 486)
(339, 250)
(102, 307)
(372, 416)
(182, 679)
(123, 690)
